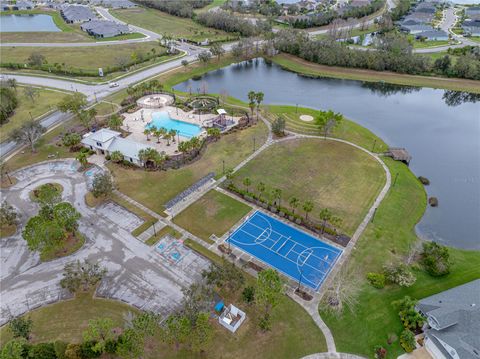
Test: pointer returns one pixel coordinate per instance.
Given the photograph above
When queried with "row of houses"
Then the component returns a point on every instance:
(19, 5)
(471, 24)
(418, 23)
(74, 14)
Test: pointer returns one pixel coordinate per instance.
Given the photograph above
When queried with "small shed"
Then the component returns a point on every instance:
(399, 154)
(231, 318)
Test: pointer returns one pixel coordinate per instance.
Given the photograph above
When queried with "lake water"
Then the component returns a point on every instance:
(440, 129)
(27, 23)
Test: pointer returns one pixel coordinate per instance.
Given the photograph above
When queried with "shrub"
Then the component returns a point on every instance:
(435, 259)
(20, 327)
(87, 350)
(248, 294)
(376, 279)
(399, 274)
(407, 341)
(73, 351)
(380, 352)
(60, 348)
(42, 351)
(411, 319)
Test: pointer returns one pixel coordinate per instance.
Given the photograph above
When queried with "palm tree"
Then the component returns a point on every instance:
(213, 132)
(294, 202)
(251, 98)
(277, 195)
(308, 207)
(172, 134)
(147, 133)
(260, 189)
(82, 157)
(168, 137)
(247, 182)
(335, 222)
(115, 122)
(325, 215)
(258, 99)
(195, 144)
(229, 175)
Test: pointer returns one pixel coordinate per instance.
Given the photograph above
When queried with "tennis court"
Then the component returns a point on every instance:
(292, 252)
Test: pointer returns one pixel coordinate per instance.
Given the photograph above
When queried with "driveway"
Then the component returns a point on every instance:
(137, 274)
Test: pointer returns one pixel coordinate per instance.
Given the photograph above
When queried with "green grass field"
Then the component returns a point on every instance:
(347, 130)
(296, 64)
(85, 58)
(51, 323)
(214, 213)
(427, 44)
(104, 108)
(154, 189)
(163, 23)
(329, 173)
(387, 238)
(46, 101)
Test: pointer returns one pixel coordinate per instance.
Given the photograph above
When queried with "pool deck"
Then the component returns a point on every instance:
(133, 123)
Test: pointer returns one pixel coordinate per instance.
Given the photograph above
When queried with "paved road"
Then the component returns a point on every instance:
(137, 273)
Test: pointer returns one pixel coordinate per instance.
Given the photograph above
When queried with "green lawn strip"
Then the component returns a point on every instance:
(427, 44)
(389, 237)
(66, 320)
(347, 130)
(45, 101)
(190, 243)
(130, 36)
(331, 174)
(85, 58)
(214, 3)
(104, 108)
(154, 189)
(163, 23)
(162, 233)
(298, 65)
(214, 213)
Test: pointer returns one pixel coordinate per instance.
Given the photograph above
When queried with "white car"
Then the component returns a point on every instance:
(113, 84)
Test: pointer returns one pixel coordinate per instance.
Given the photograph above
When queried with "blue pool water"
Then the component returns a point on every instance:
(28, 23)
(163, 119)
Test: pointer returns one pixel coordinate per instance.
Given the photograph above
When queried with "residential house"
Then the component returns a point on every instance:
(23, 5)
(432, 35)
(416, 29)
(4, 6)
(106, 141)
(471, 27)
(452, 330)
(76, 13)
(104, 28)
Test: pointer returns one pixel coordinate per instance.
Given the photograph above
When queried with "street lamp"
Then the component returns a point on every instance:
(254, 144)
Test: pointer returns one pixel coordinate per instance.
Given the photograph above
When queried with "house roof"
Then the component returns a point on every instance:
(126, 147)
(102, 27)
(77, 13)
(454, 316)
(432, 34)
(103, 135)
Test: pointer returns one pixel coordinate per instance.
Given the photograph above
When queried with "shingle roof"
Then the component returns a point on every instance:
(455, 319)
(126, 147)
(77, 13)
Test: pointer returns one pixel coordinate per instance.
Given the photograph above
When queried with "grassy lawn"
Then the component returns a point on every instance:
(214, 213)
(50, 322)
(104, 108)
(72, 244)
(329, 173)
(347, 130)
(296, 64)
(154, 189)
(209, 6)
(163, 23)
(426, 44)
(89, 59)
(46, 101)
(389, 237)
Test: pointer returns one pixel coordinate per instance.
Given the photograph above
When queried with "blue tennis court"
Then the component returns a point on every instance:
(292, 252)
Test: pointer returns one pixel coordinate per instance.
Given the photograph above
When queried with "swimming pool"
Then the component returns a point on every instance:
(163, 119)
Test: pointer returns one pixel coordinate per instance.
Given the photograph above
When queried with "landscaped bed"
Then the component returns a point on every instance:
(331, 174)
(214, 213)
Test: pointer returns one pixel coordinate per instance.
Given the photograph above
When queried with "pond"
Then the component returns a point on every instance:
(440, 129)
(27, 23)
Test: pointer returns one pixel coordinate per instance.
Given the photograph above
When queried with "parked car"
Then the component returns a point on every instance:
(113, 84)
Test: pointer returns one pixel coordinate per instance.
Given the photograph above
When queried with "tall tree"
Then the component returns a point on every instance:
(325, 215)
(102, 185)
(247, 182)
(259, 99)
(176, 330)
(72, 103)
(8, 214)
(277, 195)
(202, 332)
(29, 134)
(82, 157)
(268, 290)
(31, 93)
(20, 327)
(261, 189)
(99, 331)
(294, 202)
(82, 275)
(217, 50)
(252, 98)
(327, 121)
(115, 122)
(308, 207)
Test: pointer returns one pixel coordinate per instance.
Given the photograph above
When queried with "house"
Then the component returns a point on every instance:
(452, 330)
(432, 35)
(76, 13)
(23, 5)
(471, 27)
(231, 318)
(4, 6)
(472, 13)
(104, 28)
(106, 141)
(416, 29)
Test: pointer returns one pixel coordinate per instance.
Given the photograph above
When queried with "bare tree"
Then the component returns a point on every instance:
(122, 62)
(31, 93)
(343, 292)
(29, 133)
